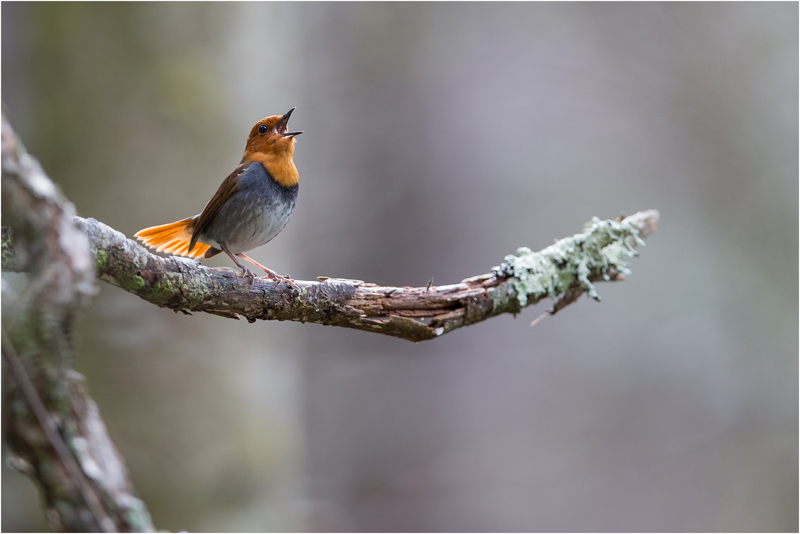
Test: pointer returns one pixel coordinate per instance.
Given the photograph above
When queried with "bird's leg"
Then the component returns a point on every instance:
(247, 272)
(270, 272)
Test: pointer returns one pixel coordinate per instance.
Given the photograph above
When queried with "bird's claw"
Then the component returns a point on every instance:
(249, 274)
(285, 279)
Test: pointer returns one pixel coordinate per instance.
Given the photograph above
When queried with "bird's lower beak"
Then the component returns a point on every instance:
(280, 127)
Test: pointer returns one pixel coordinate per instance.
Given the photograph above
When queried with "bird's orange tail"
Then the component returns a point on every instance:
(173, 238)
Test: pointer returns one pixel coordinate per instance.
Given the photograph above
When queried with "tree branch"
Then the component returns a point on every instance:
(566, 269)
(562, 271)
(50, 423)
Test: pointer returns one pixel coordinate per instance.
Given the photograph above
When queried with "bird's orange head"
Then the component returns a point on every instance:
(272, 145)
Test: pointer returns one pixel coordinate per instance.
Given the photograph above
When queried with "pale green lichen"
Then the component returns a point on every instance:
(601, 247)
(9, 255)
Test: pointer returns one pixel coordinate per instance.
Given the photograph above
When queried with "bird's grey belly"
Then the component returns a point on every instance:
(249, 220)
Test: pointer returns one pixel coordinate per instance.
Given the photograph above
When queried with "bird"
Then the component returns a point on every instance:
(251, 206)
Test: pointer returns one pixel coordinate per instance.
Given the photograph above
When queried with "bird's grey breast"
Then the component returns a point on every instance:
(256, 212)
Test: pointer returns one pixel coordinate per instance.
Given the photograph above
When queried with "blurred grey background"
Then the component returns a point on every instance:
(440, 137)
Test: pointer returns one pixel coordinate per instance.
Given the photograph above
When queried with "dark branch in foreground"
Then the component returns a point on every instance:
(52, 427)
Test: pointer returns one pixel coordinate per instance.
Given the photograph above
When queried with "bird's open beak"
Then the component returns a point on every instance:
(280, 126)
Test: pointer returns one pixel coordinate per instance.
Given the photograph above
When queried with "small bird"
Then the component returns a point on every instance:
(251, 207)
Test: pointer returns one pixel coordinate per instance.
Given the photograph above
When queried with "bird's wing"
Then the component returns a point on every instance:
(225, 191)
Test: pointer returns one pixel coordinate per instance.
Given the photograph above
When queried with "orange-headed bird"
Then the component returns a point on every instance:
(251, 207)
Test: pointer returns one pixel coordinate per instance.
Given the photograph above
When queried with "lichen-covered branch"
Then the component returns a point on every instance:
(51, 425)
(562, 271)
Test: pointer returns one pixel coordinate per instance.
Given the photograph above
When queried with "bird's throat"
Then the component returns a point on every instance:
(280, 166)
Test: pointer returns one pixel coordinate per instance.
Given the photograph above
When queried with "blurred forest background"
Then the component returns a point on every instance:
(439, 138)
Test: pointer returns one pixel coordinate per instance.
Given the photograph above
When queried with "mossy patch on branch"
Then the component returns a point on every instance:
(601, 247)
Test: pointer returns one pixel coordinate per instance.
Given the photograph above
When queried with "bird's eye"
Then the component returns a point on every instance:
(263, 128)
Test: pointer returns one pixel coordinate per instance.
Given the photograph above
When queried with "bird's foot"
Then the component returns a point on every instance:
(270, 273)
(286, 279)
(249, 274)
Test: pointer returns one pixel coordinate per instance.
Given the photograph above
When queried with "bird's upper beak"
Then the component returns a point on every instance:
(280, 126)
